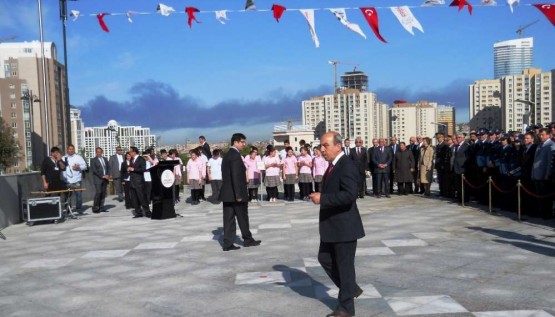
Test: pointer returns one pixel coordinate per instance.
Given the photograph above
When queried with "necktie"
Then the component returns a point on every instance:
(358, 151)
(103, 165)
(328, 171)
(381, 149)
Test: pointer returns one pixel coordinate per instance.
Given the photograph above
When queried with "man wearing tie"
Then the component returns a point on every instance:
(460, 157)
(115, 172)
(136, 172)
(340, 224)
(381, 159)
(360, 157)
(101, 175)
(394, 148)
(347, 148)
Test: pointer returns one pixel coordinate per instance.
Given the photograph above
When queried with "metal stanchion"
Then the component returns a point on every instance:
(489, 194)
(462, 189)
(518, 184)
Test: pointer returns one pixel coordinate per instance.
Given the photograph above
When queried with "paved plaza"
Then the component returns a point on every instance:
(420, 257)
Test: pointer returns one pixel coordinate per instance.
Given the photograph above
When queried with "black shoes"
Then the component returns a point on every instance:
(252, 243)
(231, 248)
(137, 216)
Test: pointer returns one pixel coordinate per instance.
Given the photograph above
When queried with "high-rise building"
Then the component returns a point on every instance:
(77, 130)
(113, 135)
(351, 112)
(446, 119)
(17, 114)
(412, 119)
(512, 57)
(354, 80)
(485, 104)
(23, 61)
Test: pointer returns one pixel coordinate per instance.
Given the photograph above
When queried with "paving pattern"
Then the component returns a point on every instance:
(420, 257)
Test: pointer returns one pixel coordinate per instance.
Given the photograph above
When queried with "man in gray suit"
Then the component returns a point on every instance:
(381, 159)
(115, 172)
(541, 173)
(101, 176)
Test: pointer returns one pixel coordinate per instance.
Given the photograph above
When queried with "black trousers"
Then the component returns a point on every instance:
(273, 192)
(338, 260)
(362, 184)
(99, 195)
(375, 189)
(305, 189)
(216, 185)
(383, 183)
(148, 191)
(439, 175)
(288, 192)
(138, 199)
(317, 186)
(239, 210)
(459, 188)
(128, 203)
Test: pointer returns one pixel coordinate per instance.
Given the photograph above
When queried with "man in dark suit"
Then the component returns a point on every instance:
(340, 223)
(101, 176)
(205, 146)
(440, 154)
(394, 148)
(415, 148)
(459, 158)
(234, 195)
(360, 157)
(136, 170)
(115, 171)
(371, 167)
(382, 158)
(347, 148)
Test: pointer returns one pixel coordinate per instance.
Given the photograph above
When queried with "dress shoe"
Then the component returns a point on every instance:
(378, 196)
(96, 211)
(148, 214)
(387, 196)
(358, 292)
(339, 313)
(252, 243)
(231, 248)
(137, 216)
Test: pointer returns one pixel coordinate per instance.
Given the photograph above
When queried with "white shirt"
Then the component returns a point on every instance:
(215, 168)
(71, 175)
(147, 173)
(337, 158)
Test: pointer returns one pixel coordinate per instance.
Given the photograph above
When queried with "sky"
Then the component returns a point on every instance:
(253, 72)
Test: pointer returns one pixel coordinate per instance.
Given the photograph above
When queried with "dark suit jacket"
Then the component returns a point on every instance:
(528, 161)
(234, 178)
(206, 150)
(137, 176)
(339, 217)
(98, 171)
(382, 158)
(370, 154)
(440, 152)
(460, 158)
(361, 161)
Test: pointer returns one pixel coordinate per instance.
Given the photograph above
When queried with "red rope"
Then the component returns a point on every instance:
(500, 190)
(474, 187)
(534, 195)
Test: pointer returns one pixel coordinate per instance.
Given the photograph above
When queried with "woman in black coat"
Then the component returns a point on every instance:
(403, 166)
(125, 178)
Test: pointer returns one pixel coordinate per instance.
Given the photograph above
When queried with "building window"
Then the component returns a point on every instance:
(13, 105)
(14, 115)
(14, 124)
(12, 86)
(28, 50)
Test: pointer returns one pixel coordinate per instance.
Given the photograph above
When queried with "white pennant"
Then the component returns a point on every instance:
(75, 15)
(129, 14)
(429, 3)
(308, 14)
(488, 3)
(221, 16)
(511, 3)
(407, 19)
(341, 15)
(164, 9)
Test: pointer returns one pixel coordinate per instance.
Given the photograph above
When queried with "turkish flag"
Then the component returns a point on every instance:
(278, 11)
(100, 18)
(191, 15)
(461, 4)
(371, 16)
(548, 10)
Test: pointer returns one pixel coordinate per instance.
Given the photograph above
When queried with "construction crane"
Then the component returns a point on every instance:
(522, 28)
(334, 63)
(9, 38)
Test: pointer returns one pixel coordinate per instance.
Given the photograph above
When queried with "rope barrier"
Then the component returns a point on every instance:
(500, 190)
(535, 195)
(473, 186)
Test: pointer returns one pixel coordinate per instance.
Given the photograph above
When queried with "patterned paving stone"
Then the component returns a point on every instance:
(420, 305)
(106, 254)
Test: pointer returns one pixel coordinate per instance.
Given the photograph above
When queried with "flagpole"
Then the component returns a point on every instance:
(44, 90)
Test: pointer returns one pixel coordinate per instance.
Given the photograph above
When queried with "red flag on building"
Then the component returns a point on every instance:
(278, 11)
(461, 4)
(191, 15)
(100, 18)
(548, 10)
(371, 16)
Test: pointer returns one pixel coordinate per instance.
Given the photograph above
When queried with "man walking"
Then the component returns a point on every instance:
(115, 172)
(340, 223)
(101, 175)
(234, 195)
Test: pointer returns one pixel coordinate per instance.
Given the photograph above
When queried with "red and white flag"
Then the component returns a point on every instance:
(548, 10)
(407, 19)
(278, 11)
(511, 3)
(371, 16)
(103, 25)
(308, 14)
(341, 15)
(221, 16)
(461, 4)
(191, 15)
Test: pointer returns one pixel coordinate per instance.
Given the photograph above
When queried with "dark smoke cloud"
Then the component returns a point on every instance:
(159, 106)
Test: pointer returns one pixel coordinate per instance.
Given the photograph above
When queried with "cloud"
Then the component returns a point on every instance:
(159, 106)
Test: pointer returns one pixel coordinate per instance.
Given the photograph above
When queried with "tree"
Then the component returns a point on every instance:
(9, 147)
